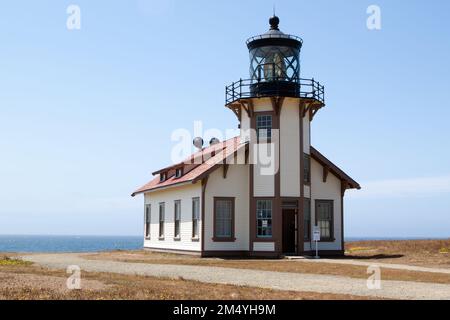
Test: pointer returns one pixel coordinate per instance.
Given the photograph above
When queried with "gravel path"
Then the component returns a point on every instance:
(252, 278)
(381, 265)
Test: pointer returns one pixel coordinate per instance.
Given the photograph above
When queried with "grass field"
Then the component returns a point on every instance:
(429, 253)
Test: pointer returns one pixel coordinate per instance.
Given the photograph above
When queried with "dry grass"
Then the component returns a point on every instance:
(429, 253)
(269, 265)
(24, 282)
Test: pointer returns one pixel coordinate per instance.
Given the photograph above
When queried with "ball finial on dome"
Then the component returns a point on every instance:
(274, 22)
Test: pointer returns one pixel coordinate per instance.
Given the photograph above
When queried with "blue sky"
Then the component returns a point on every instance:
(86, 115)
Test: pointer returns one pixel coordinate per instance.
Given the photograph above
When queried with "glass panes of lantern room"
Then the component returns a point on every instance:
(274, 63)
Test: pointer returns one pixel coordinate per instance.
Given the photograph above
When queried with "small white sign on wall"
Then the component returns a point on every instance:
(316, 233)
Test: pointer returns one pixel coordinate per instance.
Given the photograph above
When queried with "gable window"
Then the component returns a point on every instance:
(264, 218)
(163, 176)
(177, 218)
(161, 219)
(307, 219)
(195, 216)
(178, 172)
(264, 127)
(324, 218)
(306, 168)
(224, 219)
(147, 220)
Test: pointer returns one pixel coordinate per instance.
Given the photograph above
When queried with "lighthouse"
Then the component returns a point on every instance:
(275, 98)
(267, 204)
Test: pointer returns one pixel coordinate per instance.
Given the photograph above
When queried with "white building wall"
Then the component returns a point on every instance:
(184, 193)
(245, 126)
(290, 149)
(235, 185)
(331, 190)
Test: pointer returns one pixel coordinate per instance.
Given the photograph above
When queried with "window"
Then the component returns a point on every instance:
(264, 218)
(177, 218)
(264, 127)
(195, 216)
(147, 220)
(224, 219)
(307, 219)
(163, 176)
(306, 169)
(324, 218)
(161, 219)
(178, 172)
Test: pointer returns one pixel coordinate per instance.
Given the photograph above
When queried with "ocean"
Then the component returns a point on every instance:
(22, 243)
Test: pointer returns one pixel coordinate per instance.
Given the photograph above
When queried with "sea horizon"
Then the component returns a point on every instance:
(41, 243)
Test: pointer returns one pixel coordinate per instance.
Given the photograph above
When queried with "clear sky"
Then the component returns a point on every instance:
(86, 115)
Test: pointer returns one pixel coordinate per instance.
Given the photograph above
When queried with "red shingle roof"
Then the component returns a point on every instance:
(196, 166)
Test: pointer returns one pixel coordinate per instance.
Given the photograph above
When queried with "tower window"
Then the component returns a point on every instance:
(264, 127)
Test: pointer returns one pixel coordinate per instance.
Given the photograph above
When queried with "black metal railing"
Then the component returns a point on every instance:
(298, 88)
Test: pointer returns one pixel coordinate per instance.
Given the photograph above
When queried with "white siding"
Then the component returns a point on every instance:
(290, 149)
(235, 185)
(264, 185)
(245, 126)
(331, 190)
(263, 246)
(168, 196)
(261, 105)
(306, 135)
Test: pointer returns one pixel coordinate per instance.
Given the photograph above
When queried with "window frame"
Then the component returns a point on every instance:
(262, 237)
(162, 219)
(231, 238)
(147, 221)
(177, 222)
(307, 226)
(178, 173)
(162, 176)
(264, 139)
(316, 222)
(195, 219)
(306, 169)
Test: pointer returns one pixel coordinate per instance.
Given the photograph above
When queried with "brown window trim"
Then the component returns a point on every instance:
(196, 237)
(147, 230)
(176, 237)
(163, 222)
(264, 113)
(224, 239)
(331, 238)
(263, 239)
